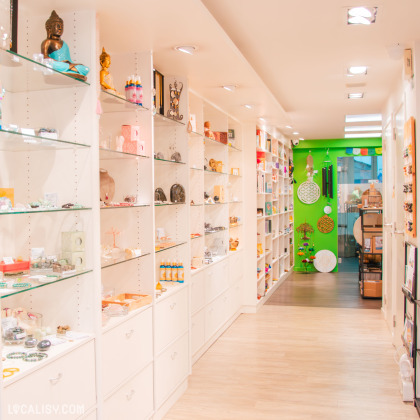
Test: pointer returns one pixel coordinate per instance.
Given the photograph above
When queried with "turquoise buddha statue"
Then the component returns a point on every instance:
(54, 47)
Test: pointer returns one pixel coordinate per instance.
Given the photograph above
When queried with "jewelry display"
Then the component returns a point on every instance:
(58, 51)
(49, 133)
(107, 186)
(14, 335)
(34, 357)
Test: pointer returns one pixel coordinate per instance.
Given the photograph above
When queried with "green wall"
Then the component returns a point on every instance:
(312, 212)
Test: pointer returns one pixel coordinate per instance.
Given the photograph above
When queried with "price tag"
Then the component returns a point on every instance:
(137, 252)
(8, 260)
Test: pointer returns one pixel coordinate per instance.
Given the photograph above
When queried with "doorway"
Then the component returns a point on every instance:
(355, 174)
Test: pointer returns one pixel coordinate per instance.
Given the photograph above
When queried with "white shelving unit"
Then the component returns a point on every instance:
(136, 365)
(274, 213)
(216, 284)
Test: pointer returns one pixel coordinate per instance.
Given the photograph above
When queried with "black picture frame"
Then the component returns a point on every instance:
(158, 86)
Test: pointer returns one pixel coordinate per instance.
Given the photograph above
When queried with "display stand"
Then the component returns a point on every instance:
(370, 256)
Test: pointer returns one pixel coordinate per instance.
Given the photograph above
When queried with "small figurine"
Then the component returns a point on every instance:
(105, 78)
(174, 93)
(54, 47)
(207, 132)
(233, 244)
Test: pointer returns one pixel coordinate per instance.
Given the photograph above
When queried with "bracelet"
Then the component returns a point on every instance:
(7, 373)
(34, 357)
(21, 285)
(16, 355)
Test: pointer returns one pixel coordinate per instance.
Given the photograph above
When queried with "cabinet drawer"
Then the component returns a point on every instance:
(198, 299)
(197, 331)
(171, 318)
(236, 297)
(171, 369)
(216, 280)
(134, 400)
(68, 380)
(235, 268)
(131, 344)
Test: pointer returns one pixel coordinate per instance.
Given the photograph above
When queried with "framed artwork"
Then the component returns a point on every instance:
(378, 244)
(410, 276)
(368, 245)
(268, 209)
(158, 90)
(235, 171)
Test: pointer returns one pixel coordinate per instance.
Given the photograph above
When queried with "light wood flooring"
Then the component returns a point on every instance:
(297, 362)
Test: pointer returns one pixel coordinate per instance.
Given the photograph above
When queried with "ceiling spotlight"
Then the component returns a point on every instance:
(261, 119)
(248, 106)
(363, 118)
(289, 127)
(230, 88)
(187, 49)
(295, 133)
(301, 138)
(358, 95)
(357, 70)
(361, 15)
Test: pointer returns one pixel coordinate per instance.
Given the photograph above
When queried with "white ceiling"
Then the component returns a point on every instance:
(288, 58)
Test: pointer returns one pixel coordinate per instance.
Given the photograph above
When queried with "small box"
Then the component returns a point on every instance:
(130, 147)
(221, 136)
(8, 193)
(141, 147)
(130, 300)
(372, 288)
(130, 132)
(75, 258)
(72, 241)
(219, 190)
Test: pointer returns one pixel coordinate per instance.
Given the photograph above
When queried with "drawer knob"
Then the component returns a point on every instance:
(55, 381)
(130, 395)
(173, 355)
(129, 333)
(173, 305)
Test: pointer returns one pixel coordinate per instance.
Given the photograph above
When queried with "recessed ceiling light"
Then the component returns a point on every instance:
(261, 119)
(248, 106)
(363, 128)
(187, 49)
(362, 135)
(361, 15)
(295, 133)
(301, 138)
(289, 127)
(363, 118)
(357, 70)
(230, 88)
(358, 95)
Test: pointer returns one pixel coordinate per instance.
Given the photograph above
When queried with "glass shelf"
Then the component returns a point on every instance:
(196, 169)
(169, 161)
(107, 154)
(196, 134)
(35, 211)
(234, 149)
(216, 231)
(172, 246)
(10, 292)
(215, 204)
(237, 176)
(234, 226)
(114, 261)
(11, 141)
(162, 121)
(213, 141)
(216, 173)
(197, 205)
(125, 207)
(113, 103)
(235, 202)
(168, 204)
(22, 74)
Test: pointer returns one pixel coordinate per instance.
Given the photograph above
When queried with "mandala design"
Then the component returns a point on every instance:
(325, 261)
(308, 192)
(325, 224)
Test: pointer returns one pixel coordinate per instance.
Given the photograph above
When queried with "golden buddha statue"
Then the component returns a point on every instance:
(54, 47)
(105, 78)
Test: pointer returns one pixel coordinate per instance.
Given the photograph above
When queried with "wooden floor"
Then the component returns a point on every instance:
(332, 290)
(297, 362)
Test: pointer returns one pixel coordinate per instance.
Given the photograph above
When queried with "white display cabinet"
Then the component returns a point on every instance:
(274, 213)
(216, 286)
(61, 171)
